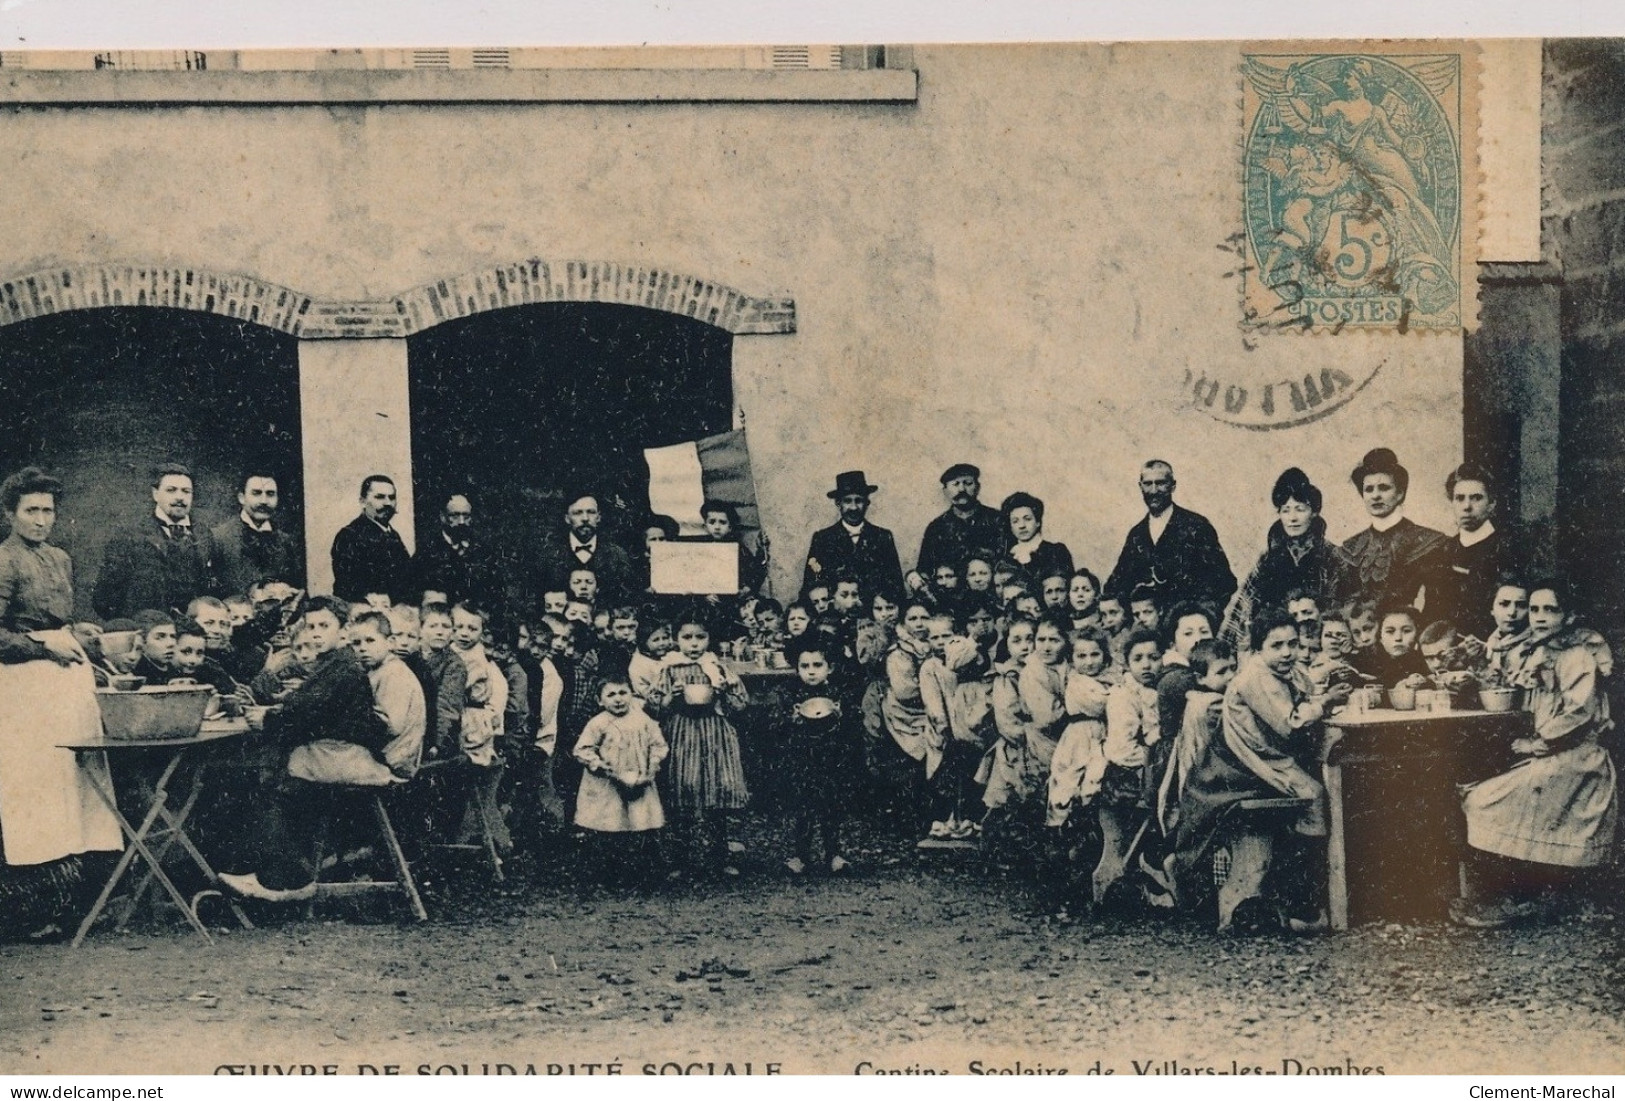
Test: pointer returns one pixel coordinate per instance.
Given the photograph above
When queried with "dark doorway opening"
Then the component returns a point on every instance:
(99, 396)
(520, 407)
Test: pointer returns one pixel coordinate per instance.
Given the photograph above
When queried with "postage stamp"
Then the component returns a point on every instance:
(1361, 187)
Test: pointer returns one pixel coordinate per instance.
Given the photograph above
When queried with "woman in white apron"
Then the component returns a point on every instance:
(50, 815)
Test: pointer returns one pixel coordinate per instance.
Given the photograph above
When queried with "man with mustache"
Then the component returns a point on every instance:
(457, 563)
(1173, 551)
(161, 562)
(369, 556)
(250, 547)
(968, 529)
(584, 545)
(853, 547)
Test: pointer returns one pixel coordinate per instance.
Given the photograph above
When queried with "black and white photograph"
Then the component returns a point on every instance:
(868, 558)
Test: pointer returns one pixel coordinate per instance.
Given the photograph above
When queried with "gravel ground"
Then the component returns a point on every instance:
(914, 962)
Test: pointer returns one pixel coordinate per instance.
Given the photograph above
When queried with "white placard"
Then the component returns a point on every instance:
(678, 568)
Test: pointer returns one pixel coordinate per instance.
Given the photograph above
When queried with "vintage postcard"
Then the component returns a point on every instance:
(1139, 593)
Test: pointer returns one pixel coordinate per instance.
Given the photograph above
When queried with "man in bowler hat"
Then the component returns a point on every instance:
(853, 547)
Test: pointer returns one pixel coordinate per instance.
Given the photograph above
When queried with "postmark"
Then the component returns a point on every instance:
(1360, 188)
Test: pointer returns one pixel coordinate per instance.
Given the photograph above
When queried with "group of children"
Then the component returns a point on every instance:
(1033, 713)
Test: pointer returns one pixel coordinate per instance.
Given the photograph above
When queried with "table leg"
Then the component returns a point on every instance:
(138, 846)
(1337, 881)
(177, 835)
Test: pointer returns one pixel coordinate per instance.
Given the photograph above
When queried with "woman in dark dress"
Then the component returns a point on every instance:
(50, 815)
(1025, 543)
(1297, 556)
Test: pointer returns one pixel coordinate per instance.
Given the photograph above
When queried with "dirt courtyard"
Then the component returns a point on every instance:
(914, 962)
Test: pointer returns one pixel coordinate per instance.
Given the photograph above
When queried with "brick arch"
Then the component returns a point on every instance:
(58, 290)
(245, 298)
(536, 281)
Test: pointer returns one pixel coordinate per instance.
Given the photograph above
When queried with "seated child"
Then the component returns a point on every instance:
(407, 623)
(1080, 758)
(1302, 606)
(192, 665)
(1114, 621)
(1451, 656)
(1509, 642)
(1132, 728)
(769, 633)
(822, 755)
(1336, 642)
(1214, 664)
(396, 694)
(485, 700)
(1043, 694)
(241, 610)
(1395, 659)
(620, 751)
(157, 661)
(1145, 613)
(241, 663)
(1005, 773)
(1362, 617)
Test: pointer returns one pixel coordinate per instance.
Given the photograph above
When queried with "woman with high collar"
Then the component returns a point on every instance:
(1392, 556)
(50, 815)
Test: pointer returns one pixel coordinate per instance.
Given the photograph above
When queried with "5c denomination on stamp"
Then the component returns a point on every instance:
(1361, 187)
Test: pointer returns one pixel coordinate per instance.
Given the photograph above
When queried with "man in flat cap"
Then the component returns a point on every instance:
(968, 529)
(161, 562)
(1393, 555)
(853, 547)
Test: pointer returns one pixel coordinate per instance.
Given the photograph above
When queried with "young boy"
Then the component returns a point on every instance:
(769, 633)
(407, 623)
(192, 664)
(241, 610)
(820, 600)
(823, 755)
(583, 585)
(1132, 728)
(1214, 664)
(157, 661)
(396, 693)
(1362, 618)
(444, 680)
(554, 601)
(1336, 642)
(1451, 656)
(1303, 606)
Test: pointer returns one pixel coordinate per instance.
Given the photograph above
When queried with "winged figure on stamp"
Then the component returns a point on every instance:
(1337, 143)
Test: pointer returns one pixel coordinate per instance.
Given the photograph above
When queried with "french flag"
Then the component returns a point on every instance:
(717, 468)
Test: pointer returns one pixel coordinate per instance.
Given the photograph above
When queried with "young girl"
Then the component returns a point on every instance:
(1083, 601)
(1053, 589)
(798, 619)
(707, 780)
(620, 750)
(1004, 770)
(1555, 811)
(903, 708)
(1114, 621)
(1080, 758)
(654, 642)
(1043, 692)
(979, 576)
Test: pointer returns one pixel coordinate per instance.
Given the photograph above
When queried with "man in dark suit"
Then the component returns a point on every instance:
(1464, 572)
(456, 562)
(853, 547)
(162, 562)
(969, 529)
(584, 545)
(369, 556)
(250, 547)
(1173, 550)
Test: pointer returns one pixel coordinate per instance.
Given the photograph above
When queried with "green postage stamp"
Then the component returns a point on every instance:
(1361, 187)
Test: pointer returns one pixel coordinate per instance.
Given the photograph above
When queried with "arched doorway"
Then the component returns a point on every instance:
(520, 406)
(98, 396)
